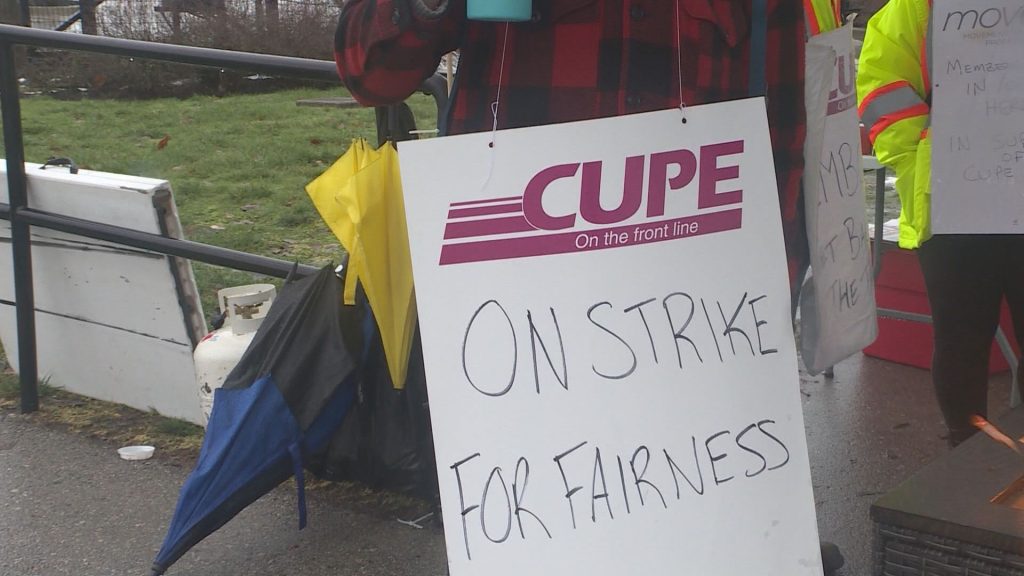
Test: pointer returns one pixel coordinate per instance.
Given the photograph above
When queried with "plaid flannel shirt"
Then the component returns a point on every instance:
(583, 59)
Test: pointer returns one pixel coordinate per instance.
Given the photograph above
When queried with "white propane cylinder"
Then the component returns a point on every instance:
(244, 308)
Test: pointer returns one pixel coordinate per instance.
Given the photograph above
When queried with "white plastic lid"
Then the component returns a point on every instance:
(136, 452)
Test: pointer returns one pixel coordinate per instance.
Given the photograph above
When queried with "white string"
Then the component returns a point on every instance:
(679, 64)
(495, 106)
(497, 96)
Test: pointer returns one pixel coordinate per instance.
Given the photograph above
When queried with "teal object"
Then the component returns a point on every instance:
(499, 10)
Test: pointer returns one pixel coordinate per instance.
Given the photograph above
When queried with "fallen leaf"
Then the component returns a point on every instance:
(163, 142)
(995, 433)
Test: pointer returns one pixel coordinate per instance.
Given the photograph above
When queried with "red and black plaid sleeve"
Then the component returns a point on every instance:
(787, 120)
(384, 51)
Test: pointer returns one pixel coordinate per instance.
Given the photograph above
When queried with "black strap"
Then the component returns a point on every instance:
(60, 161)
(757, 85)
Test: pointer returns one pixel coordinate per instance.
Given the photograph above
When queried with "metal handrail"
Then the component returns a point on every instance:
(22, 217)
(261, 63)
(164, 245)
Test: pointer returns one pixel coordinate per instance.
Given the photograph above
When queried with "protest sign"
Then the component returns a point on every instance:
(978, 117)
(837, 306)
(604, 311)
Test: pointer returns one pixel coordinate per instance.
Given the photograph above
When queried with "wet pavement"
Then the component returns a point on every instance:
(70, 506)
(869, 429)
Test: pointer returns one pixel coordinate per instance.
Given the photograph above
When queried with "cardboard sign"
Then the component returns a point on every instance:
(604, 310)
(837, 307)
(978, 117)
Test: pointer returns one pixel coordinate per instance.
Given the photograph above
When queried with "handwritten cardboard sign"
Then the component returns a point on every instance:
(604, 310)
(978, 117)
(837, 307)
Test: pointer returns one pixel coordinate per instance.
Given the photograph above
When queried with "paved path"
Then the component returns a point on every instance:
(69, 506)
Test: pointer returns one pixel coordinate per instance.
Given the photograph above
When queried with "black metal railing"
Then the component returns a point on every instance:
(22, 217)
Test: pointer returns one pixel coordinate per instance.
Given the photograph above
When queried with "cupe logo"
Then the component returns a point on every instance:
(843, 95)
(526, 225)
(684, 162)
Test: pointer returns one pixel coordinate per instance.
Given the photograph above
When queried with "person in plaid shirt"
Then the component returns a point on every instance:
(583, 59)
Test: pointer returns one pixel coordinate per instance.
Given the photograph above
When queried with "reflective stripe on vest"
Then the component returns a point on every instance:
(888, 105)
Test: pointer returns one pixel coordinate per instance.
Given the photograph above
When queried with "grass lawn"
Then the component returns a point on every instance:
(238, 165)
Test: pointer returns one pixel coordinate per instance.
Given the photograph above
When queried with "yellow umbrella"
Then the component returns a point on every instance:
(360, 199)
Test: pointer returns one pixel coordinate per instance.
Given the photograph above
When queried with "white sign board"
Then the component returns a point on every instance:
(112, 322)
(978, 117)
(604, 308)
(837, 307)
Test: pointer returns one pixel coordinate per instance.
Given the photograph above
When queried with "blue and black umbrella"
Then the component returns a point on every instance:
(279, 406)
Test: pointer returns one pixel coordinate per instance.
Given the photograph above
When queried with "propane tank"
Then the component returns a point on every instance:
(243, 309)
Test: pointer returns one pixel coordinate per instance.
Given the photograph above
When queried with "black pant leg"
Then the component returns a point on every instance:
(964, 291)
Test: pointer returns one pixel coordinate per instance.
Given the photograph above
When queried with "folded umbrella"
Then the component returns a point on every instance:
(360, 199)
(281, 404)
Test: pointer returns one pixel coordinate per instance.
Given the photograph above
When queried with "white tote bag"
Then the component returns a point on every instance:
(837, 305)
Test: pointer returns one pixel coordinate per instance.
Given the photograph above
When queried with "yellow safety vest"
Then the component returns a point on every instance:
(894, 94)
(822, 16)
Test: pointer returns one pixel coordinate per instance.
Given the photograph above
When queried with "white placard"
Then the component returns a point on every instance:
(112, 322)
(604, 310)
(837, 310)
(978, 117)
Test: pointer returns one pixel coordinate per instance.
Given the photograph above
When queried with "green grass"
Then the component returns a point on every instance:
(10, 387)
(238, 165)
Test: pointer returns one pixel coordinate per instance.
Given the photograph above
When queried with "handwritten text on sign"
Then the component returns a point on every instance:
(608, 347)
(978, 117)
(838, 303)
